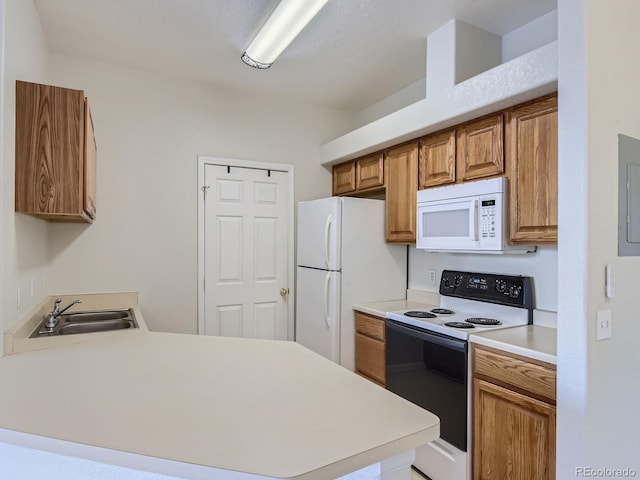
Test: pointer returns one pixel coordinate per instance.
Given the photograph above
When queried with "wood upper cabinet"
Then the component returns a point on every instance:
(344, 178)
(363, 175)
(438, 159)
(370, 347)
(532, 160)
(480, 150)
(514, 417)
(370, 172)
(90, 157)
(402, 187)
(55, 156)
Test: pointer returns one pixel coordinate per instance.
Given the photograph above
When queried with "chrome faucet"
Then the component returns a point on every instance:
(52, 320)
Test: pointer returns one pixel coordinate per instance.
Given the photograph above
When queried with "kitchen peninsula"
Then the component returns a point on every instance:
(207, 407)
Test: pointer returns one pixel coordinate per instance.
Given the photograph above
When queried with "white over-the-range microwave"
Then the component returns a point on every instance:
(466, 218)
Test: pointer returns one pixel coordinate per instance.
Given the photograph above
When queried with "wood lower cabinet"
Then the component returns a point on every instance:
(402, 188)
(532, 159)
(370, 347)
(514, 417)
(55, 154)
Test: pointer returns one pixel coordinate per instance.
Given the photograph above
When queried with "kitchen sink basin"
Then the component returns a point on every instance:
(90, 327)
(88, 322)
(96, 316)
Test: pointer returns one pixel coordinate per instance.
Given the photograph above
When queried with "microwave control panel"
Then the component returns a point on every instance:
(488, 217)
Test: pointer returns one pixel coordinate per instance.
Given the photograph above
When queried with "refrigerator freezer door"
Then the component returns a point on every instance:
(318, 311)
(319, 231)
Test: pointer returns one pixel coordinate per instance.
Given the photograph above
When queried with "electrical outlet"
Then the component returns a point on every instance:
(432, 277)
(603, 324)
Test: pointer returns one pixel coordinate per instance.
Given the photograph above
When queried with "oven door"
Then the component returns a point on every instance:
(430, 370)
(448, 224)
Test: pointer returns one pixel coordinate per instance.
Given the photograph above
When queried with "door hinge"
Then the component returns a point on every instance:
(204, 189)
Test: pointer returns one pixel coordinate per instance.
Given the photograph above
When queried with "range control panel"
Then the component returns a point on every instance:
(511, 290)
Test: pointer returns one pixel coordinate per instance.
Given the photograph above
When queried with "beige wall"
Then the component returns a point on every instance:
(599, 97)
(150, 130)
(25, 256)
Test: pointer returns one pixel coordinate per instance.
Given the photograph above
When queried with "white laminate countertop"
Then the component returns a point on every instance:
(532, 341)
(380, 309)
(269, 408)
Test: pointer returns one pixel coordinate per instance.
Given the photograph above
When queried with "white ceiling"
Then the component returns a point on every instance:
(352, 54)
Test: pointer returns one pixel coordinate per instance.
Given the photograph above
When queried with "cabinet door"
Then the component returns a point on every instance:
(49, 152)
(402, 188)
(532, 162)
(344, 178)
(90, 155)
(438, 159)
(370, 358)
(479, 149)
(513, 435)
(370, 172)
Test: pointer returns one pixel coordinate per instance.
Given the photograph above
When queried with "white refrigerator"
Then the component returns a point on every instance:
(342, 259)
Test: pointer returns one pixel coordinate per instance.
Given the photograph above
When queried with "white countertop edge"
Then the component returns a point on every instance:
(123, 459)
(172, 468)
(515, 349)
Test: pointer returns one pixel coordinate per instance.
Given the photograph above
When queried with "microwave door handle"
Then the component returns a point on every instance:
(474, 226)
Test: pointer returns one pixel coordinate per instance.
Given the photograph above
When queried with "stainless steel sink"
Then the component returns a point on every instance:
(96, 316)
(88, 322)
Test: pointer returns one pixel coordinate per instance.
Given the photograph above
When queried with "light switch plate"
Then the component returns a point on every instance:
(603, 324)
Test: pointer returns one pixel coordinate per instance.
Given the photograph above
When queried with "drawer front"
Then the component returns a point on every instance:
(533, 378)
(370, 326)
(370, 358)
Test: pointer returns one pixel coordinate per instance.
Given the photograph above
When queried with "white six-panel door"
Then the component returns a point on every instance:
(246, 252)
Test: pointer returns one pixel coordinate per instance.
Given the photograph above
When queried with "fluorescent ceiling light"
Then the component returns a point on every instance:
(284, 24)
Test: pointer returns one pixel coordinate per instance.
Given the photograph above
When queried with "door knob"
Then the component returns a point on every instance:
(284, 292)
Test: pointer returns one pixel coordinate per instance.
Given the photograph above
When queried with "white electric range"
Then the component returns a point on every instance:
(427, 360)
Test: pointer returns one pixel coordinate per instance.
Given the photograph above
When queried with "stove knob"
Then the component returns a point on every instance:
(514, 291)
(501, 286)
(446, 282)
(457, 280)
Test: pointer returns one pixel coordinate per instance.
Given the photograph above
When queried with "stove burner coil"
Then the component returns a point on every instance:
(483, 321)
(442, 311)
(458, 325)
(419, 314)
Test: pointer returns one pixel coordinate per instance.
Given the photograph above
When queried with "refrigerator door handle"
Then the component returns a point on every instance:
(326, 299)
(327, 230)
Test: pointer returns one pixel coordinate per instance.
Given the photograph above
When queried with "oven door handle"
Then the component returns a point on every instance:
(431, 337)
